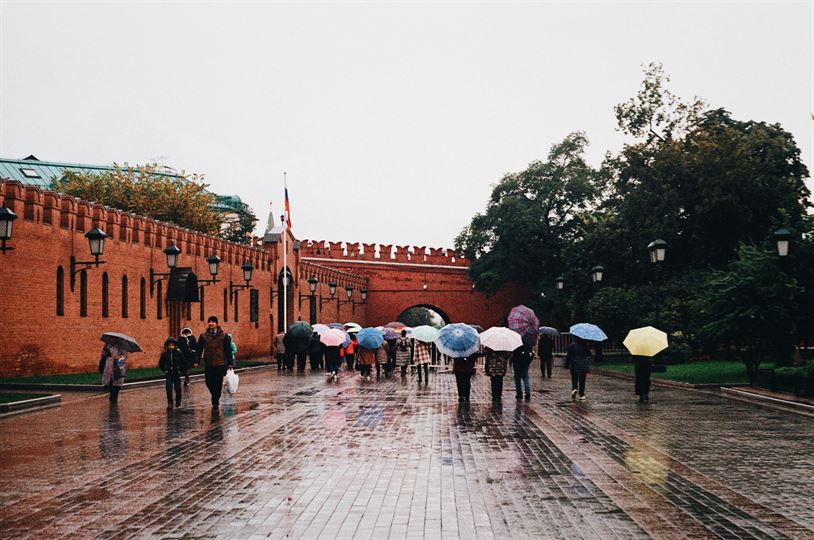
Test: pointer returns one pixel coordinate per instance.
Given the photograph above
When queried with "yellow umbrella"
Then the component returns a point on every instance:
(647, 341)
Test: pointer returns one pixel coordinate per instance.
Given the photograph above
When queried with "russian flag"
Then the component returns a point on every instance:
(287, 210)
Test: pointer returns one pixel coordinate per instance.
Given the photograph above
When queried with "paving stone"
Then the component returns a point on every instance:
(298, 457)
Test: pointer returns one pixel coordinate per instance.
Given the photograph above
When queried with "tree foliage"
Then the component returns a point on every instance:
(180, 198)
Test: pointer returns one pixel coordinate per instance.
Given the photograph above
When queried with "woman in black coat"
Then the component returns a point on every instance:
(578, 358)
(643, 367)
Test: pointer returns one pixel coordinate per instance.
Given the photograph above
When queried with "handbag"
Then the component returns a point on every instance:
(231, 380)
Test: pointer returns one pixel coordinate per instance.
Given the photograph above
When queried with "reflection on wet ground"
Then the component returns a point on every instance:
(299, 457)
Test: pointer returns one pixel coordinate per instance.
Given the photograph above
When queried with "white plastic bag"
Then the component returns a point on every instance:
(231, 380)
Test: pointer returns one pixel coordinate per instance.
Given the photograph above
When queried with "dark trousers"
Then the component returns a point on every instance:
(330, 365)
(173, 380)
(316, 361)
(643, 369)
(497, 387)
(521, 375)
(280, 361)
(214, 382)
(426, 371)
(578, 380)
(464, 382)
(289, 361)
(366, 369)
(403, 370)
(301, 361)
(545, 365)
(350, 359)
(114, 393)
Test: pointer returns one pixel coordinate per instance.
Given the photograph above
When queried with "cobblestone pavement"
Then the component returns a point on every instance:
(298, 457)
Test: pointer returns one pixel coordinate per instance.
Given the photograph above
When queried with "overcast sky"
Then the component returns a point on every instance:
(392, 120)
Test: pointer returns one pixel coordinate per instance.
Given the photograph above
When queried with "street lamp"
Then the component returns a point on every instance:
(658, 252)
(96, 243)
(214, 266)
(312, 299)
(349, 293)
(172, 252)
(7, 218)
(286, 279)
(247, 277)
(559, 283)
(332, 290)
(782, 237)
(597, 273)
(363, 294)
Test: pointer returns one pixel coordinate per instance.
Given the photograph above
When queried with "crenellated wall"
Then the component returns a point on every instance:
(320, 249)
(49, 328)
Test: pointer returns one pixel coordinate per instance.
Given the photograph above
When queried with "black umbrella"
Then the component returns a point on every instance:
(122, 341)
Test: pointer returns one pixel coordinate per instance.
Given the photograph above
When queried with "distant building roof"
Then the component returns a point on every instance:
(34, 172)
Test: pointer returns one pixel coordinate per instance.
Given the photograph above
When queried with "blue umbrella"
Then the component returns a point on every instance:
(458, 340)
(370, 338)
(588, 331)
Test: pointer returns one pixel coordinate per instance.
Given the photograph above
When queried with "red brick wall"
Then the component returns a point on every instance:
(396, 283)
(50, 228)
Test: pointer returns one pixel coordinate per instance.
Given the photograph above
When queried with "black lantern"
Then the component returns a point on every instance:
(597, 273)
(349, 292)
(782, 236)
(658, 251)
(247, 271)
(7, 218)
(172, 252)
(213, 261)
(332, 287)
(332, 290)
(363, 291)
(559, 283)
(312, 284)
(96, 242)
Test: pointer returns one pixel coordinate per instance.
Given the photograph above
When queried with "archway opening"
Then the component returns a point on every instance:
(423, 314)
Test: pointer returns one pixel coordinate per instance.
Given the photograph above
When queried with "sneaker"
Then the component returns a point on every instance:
(582, 398)
(177, 404)
(573, 394)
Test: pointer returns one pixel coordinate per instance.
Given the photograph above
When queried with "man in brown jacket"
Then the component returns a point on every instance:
(215, 350)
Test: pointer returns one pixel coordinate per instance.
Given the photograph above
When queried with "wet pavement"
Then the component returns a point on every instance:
(298, 457)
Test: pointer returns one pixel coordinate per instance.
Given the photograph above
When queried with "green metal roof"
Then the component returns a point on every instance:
(34, 172)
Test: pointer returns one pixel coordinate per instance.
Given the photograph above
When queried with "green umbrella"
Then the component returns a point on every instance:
(300, 329)
(424, 333)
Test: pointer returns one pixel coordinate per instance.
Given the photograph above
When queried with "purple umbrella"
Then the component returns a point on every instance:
(389, 333)
(523, 321)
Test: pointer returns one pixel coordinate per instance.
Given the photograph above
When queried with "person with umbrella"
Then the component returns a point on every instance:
(522, 358)
(545, 350)
(403, 352)
(461, 343)
(383, 359)
(423, 337)
(644, 344)
(351, 350)
(498, 343)
(112, 367)
(577, 358)
(495, 368)
(315, 352)
(215, 351)
(297, 342)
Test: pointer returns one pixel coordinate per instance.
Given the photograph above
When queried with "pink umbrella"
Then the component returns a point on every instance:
(333, 337)
(523, 321)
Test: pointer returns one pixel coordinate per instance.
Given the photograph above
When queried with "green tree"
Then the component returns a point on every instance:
(181, 199)
(751, 303)
(529, 217)
(240, 229)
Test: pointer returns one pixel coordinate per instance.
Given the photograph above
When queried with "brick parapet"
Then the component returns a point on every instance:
(321, 249)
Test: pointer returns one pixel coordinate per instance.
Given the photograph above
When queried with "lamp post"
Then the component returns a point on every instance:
(782, 237)
(559, 283)
(214, 266)
(286, 279)
(363, 294)
(332, 290)
(312, 304)
(349, 293)
(172, 252)
(7, 218)
(658, 252)
(96, 242)
(597, 273)
(247, 277)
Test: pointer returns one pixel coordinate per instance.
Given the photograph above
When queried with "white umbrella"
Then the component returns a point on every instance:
(499, 338)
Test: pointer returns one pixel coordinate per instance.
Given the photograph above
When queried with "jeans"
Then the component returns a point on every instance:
(316, 361)
(426, 371)
(173, 381)
(280, 361)
(545, 366)
(497, 387)
(521, 374)
(403, 370)
(578, 379)
(464, 382)
(214, 382)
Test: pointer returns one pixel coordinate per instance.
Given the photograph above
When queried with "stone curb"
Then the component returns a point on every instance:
(661, 382)
(26, 405)
(768, 401)
(100, 388)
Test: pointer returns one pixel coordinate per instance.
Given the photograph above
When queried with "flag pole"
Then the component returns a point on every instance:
(284, 299)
